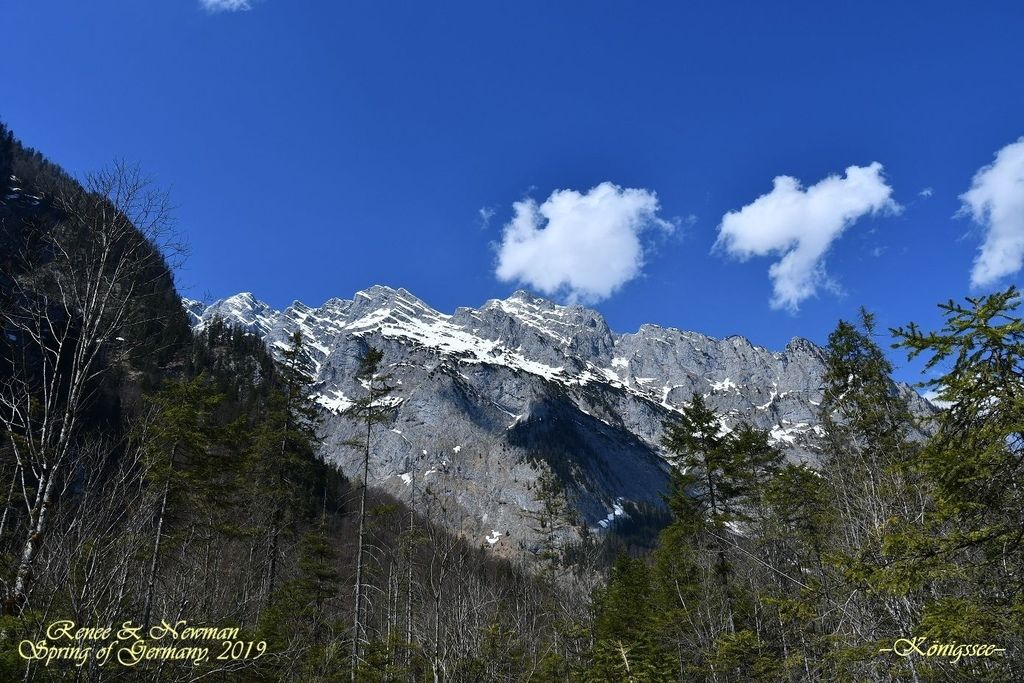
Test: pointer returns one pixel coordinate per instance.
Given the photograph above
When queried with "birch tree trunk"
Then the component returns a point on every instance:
(74, 301)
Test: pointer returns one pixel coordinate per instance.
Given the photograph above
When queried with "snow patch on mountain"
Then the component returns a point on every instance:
(522, 384)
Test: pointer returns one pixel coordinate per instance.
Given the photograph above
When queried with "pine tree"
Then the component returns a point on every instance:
(301, 618)
(283, 450)
(680, 596)
(318, 566)
(549, 520)
(794, 535)
(625, 648)
(718, 475)
(374, 408)
(868, 465)
(180, 436)
(972, 540)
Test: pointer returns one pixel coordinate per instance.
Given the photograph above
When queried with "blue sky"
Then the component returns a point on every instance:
(316, 148)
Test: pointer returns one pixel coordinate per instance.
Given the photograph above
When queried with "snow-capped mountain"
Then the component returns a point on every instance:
(490, 396)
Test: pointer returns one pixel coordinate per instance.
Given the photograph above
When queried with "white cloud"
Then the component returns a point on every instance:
(996, 202)
(486, 214)
(580, 245)
(926, 192)
(226, 5)
(800, 225)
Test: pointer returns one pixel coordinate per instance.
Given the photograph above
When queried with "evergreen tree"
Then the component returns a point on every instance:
(794, 535)
(870, 449)
(682, 599)
(624, 645)
(282, 454)
(180, 438)
(375, 407)
(301, 611)
(970, 547)
(718, 475)
(549, 520)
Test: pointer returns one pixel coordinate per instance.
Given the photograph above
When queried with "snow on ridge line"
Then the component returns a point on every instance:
(403, 317)
(442, 335)
(533, 317)
(520, 305)
(437, 333)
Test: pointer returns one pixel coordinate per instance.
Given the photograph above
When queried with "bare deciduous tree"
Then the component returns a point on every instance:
(81, 290)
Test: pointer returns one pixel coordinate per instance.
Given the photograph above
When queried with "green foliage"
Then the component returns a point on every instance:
(12, 631)
(625, 648)
(319, 577)
(376, 406)
(549, 521)
(800, 506)
(742, 656)
(719, 479)
(975, 458)
(972, 544)
(183, 433)
(718, 473)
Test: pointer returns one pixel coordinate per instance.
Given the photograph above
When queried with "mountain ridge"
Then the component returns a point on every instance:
(526, 385)
(196, 307)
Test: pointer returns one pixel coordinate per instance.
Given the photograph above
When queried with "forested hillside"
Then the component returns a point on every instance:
(151, 476)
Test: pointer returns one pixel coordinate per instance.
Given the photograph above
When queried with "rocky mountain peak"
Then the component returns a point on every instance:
(244, 310)
(489, 397)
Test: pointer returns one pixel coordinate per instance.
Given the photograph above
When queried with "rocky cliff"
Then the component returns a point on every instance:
(490, 397)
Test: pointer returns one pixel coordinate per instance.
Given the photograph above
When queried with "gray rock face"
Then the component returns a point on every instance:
(488, 398)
